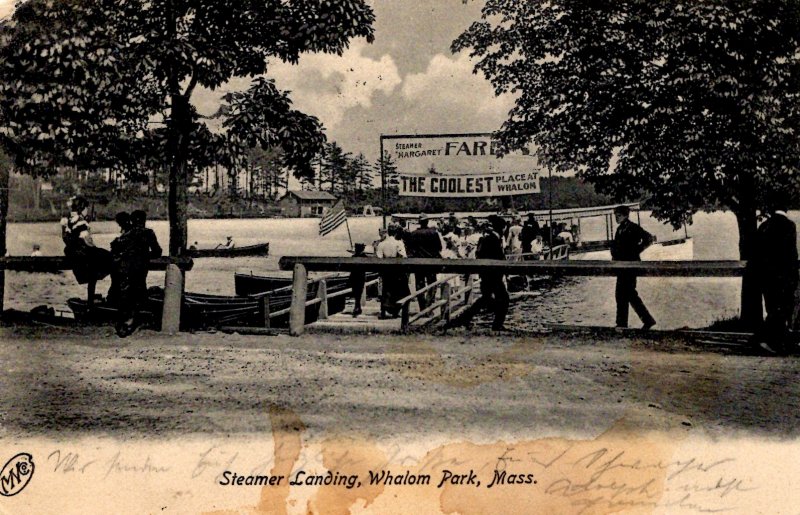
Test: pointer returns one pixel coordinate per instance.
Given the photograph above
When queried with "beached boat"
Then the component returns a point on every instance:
(255, 284)
(259, 249)
(203, 311)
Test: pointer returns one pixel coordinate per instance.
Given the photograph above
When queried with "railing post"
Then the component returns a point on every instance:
(404, 315)
(468, 293)
(173, 298)
(322, 295)
(297, 311)
(263, 308)
(446, 305)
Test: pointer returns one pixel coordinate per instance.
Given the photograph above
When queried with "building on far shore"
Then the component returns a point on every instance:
(305, 203)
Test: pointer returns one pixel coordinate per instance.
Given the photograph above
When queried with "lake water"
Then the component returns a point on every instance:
(675, 302)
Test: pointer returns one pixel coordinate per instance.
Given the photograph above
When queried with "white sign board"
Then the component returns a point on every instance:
(460, 166)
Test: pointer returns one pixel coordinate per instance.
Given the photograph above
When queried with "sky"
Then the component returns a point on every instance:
(406, 82)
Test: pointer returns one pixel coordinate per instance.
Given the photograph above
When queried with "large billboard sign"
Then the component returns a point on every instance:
(459, 165)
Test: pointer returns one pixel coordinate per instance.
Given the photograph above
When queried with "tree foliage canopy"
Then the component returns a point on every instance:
(98, 83)
(693, 103)
(86, 82)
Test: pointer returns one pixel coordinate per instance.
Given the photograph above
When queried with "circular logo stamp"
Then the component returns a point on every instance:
(16, 474)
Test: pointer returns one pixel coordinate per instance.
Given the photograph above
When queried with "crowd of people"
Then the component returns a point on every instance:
(493, 238)
(458, 238)
(127, 261)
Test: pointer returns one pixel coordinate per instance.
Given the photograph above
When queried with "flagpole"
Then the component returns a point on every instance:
(348, 233)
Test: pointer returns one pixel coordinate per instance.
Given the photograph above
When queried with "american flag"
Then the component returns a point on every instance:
(333, 218)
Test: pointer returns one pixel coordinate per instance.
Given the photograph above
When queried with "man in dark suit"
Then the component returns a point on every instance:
(529, 232)
(425, 242)
(493, 289)
(629, 242)
(132, 252)
(774, 265)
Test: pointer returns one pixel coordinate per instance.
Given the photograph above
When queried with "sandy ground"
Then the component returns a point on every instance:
(64, 383)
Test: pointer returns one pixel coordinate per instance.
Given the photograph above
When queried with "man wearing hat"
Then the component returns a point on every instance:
(425, 242)
(493, 289)
(527, 235)
(629, 242)
(774, 264)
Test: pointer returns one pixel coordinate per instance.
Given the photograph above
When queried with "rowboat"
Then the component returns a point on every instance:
(203, 311)
(259, 249)
(255, 284)
(252, 284)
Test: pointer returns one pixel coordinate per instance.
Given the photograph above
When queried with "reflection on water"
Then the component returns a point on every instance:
(675, 302)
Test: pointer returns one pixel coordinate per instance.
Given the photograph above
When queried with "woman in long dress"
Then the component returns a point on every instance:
(89, 262)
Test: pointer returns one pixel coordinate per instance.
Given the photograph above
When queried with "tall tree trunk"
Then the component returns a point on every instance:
(751, 308)
(178, 177)
(4, 182)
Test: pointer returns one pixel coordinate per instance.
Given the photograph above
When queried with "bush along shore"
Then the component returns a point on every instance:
(200, 206)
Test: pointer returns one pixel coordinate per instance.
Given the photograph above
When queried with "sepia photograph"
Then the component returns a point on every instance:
(399, 256)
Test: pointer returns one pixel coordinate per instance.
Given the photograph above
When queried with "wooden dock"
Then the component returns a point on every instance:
(451, 297)
(370, 320)
(367, 322)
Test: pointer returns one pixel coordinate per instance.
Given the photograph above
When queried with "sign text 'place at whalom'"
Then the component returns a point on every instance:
(460, 166)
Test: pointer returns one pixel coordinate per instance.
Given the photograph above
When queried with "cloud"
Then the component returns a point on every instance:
(328, 85)
(446, 97)
(449, 87)
(322, 85)
(357, 98)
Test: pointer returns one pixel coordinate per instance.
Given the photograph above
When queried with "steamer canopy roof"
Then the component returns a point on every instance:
(541, 214)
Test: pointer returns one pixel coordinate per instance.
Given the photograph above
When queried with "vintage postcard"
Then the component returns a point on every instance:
(399, 256)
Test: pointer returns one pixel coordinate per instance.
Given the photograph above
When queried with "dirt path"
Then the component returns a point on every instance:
(60, 383)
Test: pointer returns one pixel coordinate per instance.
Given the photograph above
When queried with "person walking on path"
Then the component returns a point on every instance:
(425, 242)
(629, 242)
(357, 279)
(774, 264)
(493, 289)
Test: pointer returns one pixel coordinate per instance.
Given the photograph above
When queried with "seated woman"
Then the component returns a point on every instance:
(537, 247)
(89, 262)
